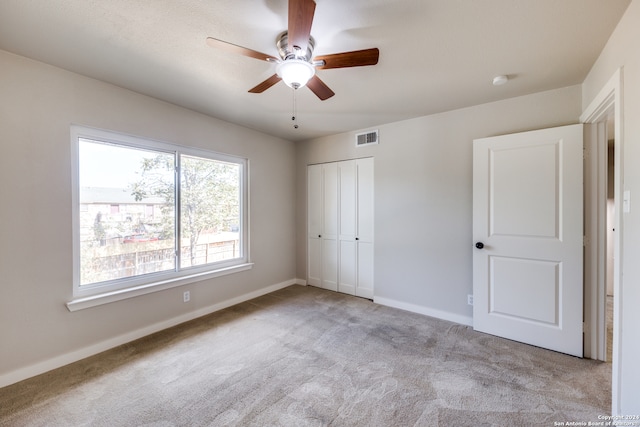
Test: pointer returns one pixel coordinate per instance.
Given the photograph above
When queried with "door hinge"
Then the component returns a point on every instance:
(585, 327)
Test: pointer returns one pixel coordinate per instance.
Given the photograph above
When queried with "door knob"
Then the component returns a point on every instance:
(479, 245)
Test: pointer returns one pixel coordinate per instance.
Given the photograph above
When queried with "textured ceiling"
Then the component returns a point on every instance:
(435, 55)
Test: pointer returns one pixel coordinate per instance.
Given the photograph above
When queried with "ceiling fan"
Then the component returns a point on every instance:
(296, 65)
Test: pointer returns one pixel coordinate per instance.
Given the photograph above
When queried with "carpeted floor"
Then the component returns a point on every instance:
(303, 356)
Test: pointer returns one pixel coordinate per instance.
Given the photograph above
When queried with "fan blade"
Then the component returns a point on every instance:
(318, 87)
(266, 84)
(234, 48)
(300, 19)
(357, 58)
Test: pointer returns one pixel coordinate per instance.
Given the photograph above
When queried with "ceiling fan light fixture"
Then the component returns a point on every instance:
(295, 72)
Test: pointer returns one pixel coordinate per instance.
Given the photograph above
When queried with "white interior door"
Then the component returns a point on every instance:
(527, 219)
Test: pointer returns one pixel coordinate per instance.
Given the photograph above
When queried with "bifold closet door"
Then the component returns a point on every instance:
(356, 227)
(314, 225)
(330, 226)
(365, 229)
(340, 226)
(348, 274)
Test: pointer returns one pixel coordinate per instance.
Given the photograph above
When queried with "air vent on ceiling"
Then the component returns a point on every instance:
(367, 138)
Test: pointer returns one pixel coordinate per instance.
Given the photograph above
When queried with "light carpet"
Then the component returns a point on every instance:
(304, 356)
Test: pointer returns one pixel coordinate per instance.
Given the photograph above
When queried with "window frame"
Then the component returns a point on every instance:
(89, 295)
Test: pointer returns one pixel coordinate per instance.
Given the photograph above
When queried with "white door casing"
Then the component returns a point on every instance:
(527, 212)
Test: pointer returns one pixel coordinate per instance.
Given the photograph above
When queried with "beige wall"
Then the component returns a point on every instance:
(423, 196)
(623, 50)
(38, 103)
(422, 206)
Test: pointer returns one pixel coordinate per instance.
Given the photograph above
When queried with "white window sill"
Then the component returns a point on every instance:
(135, 291)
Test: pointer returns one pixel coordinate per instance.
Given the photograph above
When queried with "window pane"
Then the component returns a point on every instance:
(209, 211)
(120, 235)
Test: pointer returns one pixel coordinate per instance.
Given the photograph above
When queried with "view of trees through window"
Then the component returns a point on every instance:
(137, 204)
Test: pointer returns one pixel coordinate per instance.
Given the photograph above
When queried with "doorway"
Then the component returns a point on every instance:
(603, 123)
(611, 229)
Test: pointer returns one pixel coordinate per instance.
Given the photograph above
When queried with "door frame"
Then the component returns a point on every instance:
(608, 100)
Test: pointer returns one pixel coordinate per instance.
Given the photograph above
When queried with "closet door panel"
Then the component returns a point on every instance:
(365, 200)
(330, 227)
(347, 226)
(365, 233)
(315, 201)
(348, 199)
(314, 225)
(348, 267)
(365, 270)
(330, 200)
(330, 264)
(314, 265)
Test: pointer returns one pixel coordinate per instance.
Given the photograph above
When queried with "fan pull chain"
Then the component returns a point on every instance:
(295, 110)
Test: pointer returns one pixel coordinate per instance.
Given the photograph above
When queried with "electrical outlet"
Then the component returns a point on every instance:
(186, 296)
(470, 299)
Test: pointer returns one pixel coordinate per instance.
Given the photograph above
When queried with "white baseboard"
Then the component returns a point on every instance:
(74, 356)
(444, 315)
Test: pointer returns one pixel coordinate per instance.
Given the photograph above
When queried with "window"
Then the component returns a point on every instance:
(150, 214)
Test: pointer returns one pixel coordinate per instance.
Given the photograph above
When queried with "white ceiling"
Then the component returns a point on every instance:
(435, 55)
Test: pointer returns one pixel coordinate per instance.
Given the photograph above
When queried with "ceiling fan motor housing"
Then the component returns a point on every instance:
(290, 52)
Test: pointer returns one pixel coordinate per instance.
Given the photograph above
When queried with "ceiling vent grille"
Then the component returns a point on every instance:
(367, 138)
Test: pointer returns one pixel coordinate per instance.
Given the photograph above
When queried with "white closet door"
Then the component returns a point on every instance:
(314, 225)
(365, 227)
(330, 227)
(340, 226)
(348, 227)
